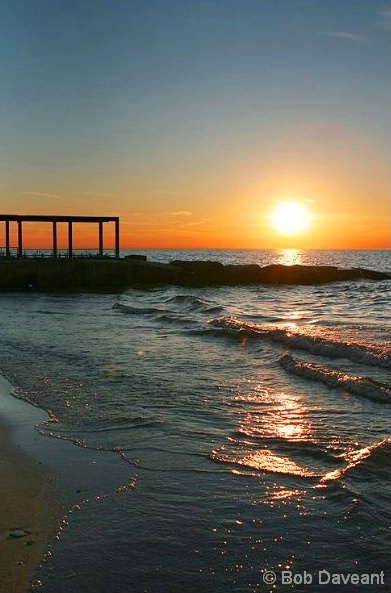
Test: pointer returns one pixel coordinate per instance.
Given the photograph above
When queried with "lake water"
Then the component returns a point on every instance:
(252, 424)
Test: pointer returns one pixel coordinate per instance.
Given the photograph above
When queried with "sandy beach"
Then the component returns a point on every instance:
(30, 508)
(41, 479)
(29, 504)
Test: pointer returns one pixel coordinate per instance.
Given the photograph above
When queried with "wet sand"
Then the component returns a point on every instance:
(30, 509)
(41, 479)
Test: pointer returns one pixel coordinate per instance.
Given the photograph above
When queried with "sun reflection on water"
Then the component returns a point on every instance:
(265, 433)
(290, 257)
(287, 419)
(281, 494)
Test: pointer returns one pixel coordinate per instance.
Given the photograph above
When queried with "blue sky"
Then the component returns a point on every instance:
(148, 107)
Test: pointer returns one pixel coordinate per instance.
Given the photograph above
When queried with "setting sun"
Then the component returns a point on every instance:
(290, 218)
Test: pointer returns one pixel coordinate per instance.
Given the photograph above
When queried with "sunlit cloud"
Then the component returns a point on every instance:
(181, 213)
(196, 222)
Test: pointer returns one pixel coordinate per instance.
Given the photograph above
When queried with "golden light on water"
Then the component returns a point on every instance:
(287, 419)
(266, 460)
(354, 458)
(290, 257)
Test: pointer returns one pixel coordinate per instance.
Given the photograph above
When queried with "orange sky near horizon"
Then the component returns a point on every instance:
(329, 228)
(344, 187)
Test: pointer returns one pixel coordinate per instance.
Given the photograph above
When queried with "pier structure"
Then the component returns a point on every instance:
(55, 220)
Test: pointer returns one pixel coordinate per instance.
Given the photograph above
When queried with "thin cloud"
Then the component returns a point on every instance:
(385, 15)
(169, 192)
(195, 223)
(345, 35)
(98, 194)
(38, 194)
(181, 213)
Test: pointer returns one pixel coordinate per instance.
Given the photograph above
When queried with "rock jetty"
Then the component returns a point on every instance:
(112, 275)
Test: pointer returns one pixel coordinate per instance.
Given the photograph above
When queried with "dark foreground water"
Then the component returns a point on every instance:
(252, 424)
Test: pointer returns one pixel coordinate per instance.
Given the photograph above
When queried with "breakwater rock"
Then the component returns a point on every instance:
(205, 273)
(112, 275)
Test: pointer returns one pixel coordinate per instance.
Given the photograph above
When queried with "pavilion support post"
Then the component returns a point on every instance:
(100, 238)
(54, 238)
(20, 238)
(7, 238)
(70, 238)
(117, 238)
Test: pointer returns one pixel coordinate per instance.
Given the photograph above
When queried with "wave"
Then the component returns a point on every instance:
(371, 461)
(264, 460)
(369, 354)
(177, 304)
(132, 310)
(355, 384)
(367, 459)
(191, 302)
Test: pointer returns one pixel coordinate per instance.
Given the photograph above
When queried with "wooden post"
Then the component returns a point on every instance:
(100, 223)
(20, 239)
(7, 238)
(54, 239)
(117, 238)
(70, 246)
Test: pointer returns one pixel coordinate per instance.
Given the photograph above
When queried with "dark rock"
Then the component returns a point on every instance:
(279, 274)
(243, 274)
(149, 273)
(17, 533)
(371, 274)
(200, 273)
(135, 257)
(112, 275)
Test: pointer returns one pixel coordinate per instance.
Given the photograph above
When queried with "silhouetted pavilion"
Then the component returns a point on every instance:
(69, 220)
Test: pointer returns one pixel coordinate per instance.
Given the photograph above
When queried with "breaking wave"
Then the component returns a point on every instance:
(355, 384)
(175, 304)
(264, 460)
(367, 459)
(369, 354)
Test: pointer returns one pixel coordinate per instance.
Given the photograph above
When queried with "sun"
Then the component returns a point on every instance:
(290, 218)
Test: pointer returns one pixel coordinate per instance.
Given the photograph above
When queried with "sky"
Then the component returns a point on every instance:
(193, 120)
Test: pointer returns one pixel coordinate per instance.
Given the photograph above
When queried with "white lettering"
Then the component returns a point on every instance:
(355, 579)
(379, 578)
(324, 577)
(286, 577)
(307, 578)
(335, 579)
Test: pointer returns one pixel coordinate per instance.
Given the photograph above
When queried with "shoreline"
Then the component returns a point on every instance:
(31, 505)
(42, 480)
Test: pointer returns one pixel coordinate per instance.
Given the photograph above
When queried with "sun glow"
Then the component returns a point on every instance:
(290, 218)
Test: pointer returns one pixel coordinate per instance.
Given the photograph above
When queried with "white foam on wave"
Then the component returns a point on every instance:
(300, 339)
(355, 384)
(356, 457)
